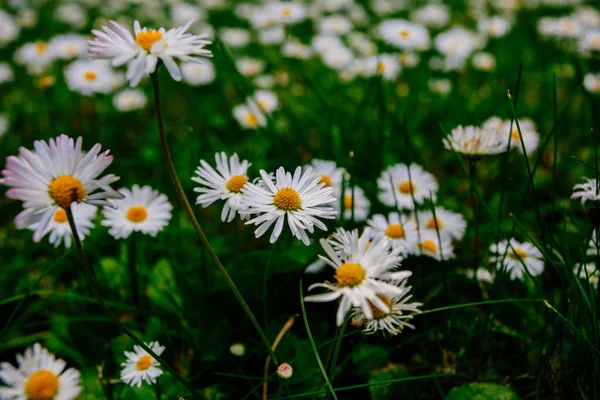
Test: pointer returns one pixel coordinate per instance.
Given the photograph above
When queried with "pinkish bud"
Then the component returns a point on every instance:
(285, 371)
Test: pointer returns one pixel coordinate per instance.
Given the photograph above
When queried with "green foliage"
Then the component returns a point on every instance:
(482, 391)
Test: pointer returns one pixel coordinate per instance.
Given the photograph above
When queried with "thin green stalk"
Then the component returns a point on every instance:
(133, 275)
(194, 221)
(265, 286)
(573, 328)
(157, 391)
(96, 292)
(473, 201)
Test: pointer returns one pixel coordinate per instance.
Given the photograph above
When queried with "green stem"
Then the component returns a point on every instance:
(96, 292)
(473, 174)
(194, 221)
(265, 286)
(133, 276)
(157, 390)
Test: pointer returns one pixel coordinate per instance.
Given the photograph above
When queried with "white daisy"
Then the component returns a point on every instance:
(148, 46)
(198, 74)
(294, 49)
(249, 66)
(475, 141)
(392, 322)
(361, 273)
(386, 65)
(587, 191)
(57, 173)
(271, 36)
(588, 271)
(481, 275)
(398, 228)
(249, 115)
(39, 375)
(286, 12)
(494, 26)
(337, 57)
(335, 24)
(69, 46)
(357, 201)
(142, 209)
(440, 86)
(591, 82)
(129, 100)
(88, 77)
(330, 174)
(430, 245)
(235, 38)
(6, 73)
(449, 224)
(35, 56)
(9, 29)
(514, 256)
(531, 138)
(590, 41)
(323, 43)
(226, 183)
(299, 198)
(266, 100)
(59, 229)
(434, 15)
(396, 187)
(457, 44)
(404, 35)
(72, 14)
(484, 61)
(141, 366)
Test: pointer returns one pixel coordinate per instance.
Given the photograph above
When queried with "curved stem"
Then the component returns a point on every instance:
(194, 221)
(96, 292)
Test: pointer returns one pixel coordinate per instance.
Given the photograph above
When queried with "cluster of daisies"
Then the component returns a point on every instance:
(39, 375)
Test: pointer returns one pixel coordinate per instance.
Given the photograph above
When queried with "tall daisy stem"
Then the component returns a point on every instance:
(473, 174)
(96, 292)
(133, 275)
(190, 213)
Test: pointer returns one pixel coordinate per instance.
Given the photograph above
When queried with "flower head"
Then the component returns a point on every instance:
(141, 366)
(475, 141)
(587, 191)
(400, 230)
(58, 228)
(398, 185)
(515, 257)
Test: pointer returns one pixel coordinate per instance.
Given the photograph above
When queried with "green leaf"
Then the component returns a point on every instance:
(482, 391)
(162, 287)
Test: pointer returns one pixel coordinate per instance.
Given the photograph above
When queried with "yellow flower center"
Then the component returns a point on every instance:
(433, 225)
(380, 67)
(41, 47)
(66, 189)
(71, 49)
(41, 385)
(350, 274)
(514, 135)
(406, 187)
(377, 313)
(519, 253)
(261, 105)
(395, 231)
(404, 33)
(46, 81)
(251, 120)
(286, 12)
(90, 76)
(146, 39)
(326, 180)
(137, 214)
(236, 183)
(60, 216)
(143, 363)
(287, 199)
(428, 245)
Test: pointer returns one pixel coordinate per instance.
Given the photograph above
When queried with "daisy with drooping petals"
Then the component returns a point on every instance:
(397, 228)
(57, 173)
(300, 199)
(475, 141)
(515, 256)
(148, 46)
(397, 188)
(392, 322)
(361, 273)
(141, 366)
(142, 209)
(226, 183)
(430, 245)
(587, 191)
(59, 229)
(39, 376)
(447, 223)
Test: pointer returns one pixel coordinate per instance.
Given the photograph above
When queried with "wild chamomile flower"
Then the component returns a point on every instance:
(57, 173)
(399, 229)
(587, 191)
(235, 38)
(266, 100)
(35, 56)
(430, 245)
(475, 141)
(88, 77)
(249, 115)
(457, 43)
(392, 322)
(336, 24)
(396, 187)
(250, 66)
(494, 26)
(588, 271)
(300, 199)
(329, 172)
(9, 29)
(481, 275)
(69, 46)
(434, 15)
(226, 183)
(514, 256)
(447, 223)
(129, 100)
(337, 58)
(58, 228)
(141, 366)
(355, 203)
(286, 12)
(143, 51)
(141, 209)
(198, 74)
(292, 48)
(361, 273)
(404, 35)
(386, 65)
(39, 376)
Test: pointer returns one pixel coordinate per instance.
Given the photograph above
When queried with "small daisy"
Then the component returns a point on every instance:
(531, 138)
(475, 141)
(457, 43)
(590, 41)
(226, 183)
(587, 191)
(593, 245)
(386, 65)
(404, 35)
(514, 256)
(140, 366)
(299, 198)
(447, 223)
(235, 38)
(294, 49)
(58, 227)
(361, 273)
(9, 29)
(39, 376)
(129, 100)
(88, 77)
(337, 57)
(271, 36)
(57, 173)
(35, 56)
(148, 46)
(142, 209)
(266, 100)
(392, 322)
(335, 24)
(591, 82)
(323, 43)
(433, 15)
(483, 61)
(482, 275)
(69, 46)
(6, 73)
(330, 174)
(198, 74)
(431, 246)
(286, 12)
(588, 270)
(396, 187)
(249, 115)
(494, 26)
(250, 66)
(398, 228)
(357, 201)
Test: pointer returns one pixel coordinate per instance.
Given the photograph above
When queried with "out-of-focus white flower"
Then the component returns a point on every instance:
(294, 49)
(9, 29)
(6, 73)
(404, 34)
(182, 12)
(266, 100)
(249, 115)
(271, 36)
(3, 124)
(88, 77)
(72, 14)
(587, 191)
(472, 140)
(250, 66)
(484, 61)
(198, 74)
(35, 56)
(588, 271)
(440, 86)
(434, 15)
(590, 42)
(337, 57)
(129, 100)
(354, 203)
(591, 82)
(286, 12)
(515, 257)
(494, 26)
(457, 44)
(69, 46)
(335, 24)
(235, 38)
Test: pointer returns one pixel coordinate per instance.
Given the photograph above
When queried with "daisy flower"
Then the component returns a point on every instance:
(69, 46)
(335, 24)
(292, 48)
(226, 183)
(39, 375)
(432, 14)
(513, 256)
(88, 77)
(286, 12)
(531, 138)
(59, 229)
(404, 35)
(398, 229)
(249, 66)
(198, 74)
(475, 141)
(591, 82)
(57, 173)
(430, 245)
(447, 223)
(457, 43)
(593, 245)
(587, 191)
(266, 101)
(35, 56)
(357, 201)
(361, 273)
(392, 322)
(249, 115)
(481, 275)
(396, 187)
(140, 366)
(299, 198)
(141, 209)
(588, 270)
(385, 65)
(143, 51)
(235, 38)
(129, 100)
(329, 172)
